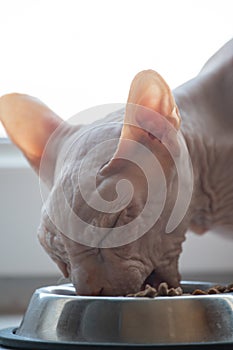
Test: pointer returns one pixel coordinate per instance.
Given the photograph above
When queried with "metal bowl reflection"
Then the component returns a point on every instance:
(57, 314)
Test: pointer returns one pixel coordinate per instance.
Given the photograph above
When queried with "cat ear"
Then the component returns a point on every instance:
(151, 115)
(151, 110)
(29, 123)
(150, 90)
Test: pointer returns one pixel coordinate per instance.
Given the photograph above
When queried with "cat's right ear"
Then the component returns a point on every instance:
(29, 124)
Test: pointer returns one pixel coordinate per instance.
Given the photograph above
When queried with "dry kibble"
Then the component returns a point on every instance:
(221, 289)
(172, 292)
(163, 289)
(199, 292)
(149, 292)
(229, 288)
(142, 293)
(179, 291)
(213, 291)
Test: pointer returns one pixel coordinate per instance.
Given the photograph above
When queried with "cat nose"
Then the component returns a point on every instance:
(89, 289)
(98, 292)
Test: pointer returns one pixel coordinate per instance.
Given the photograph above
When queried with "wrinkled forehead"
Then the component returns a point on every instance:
(93, 143)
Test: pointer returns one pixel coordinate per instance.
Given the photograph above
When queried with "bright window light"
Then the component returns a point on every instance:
(76, 54)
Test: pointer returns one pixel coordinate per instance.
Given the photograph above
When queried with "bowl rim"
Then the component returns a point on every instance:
(53, 291)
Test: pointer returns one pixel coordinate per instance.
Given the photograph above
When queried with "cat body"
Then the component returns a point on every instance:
(201, 111)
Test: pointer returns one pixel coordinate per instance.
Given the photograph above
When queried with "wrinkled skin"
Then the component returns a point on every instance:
(106, 271)
(201, 109)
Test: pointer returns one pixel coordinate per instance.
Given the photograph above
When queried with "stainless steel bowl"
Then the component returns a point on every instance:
(56, 314)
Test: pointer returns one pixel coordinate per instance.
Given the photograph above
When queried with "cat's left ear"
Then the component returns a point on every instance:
(151, 116)
(149, 89)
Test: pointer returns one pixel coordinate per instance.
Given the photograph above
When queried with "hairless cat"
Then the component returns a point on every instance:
(200, 110)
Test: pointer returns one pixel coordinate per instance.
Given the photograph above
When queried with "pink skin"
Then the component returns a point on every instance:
(205, 105)
(113, 271)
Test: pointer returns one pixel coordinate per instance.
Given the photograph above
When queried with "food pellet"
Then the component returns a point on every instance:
(163, 290)
(213, 291)
(199, 292)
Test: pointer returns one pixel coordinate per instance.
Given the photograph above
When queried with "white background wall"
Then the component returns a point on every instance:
(75, 54)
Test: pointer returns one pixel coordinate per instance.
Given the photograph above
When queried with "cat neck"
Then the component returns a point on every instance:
(207, 126)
